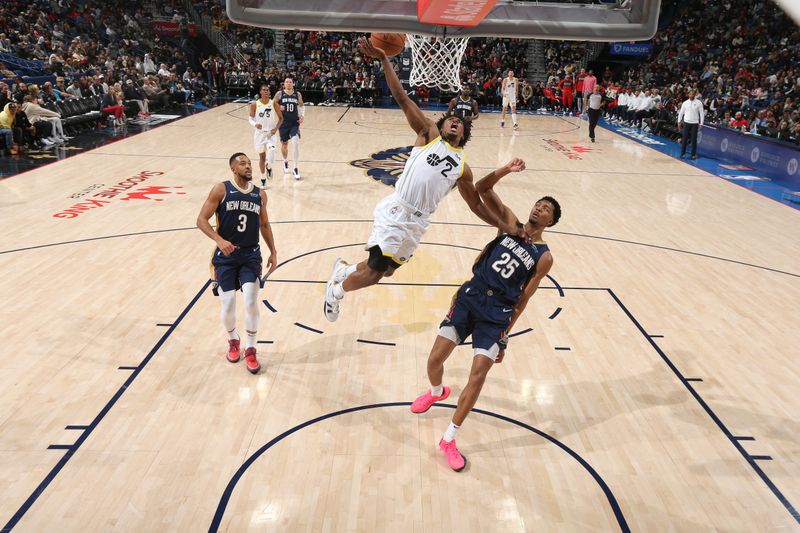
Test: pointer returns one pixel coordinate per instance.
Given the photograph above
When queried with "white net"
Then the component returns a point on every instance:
(436, 61)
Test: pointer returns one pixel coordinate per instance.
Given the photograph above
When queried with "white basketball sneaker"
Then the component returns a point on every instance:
(331, 305)
(339, 267)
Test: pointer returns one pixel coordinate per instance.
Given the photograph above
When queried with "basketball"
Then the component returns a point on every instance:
(391, 43)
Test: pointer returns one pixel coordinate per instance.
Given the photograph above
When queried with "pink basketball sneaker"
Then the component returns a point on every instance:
(424, 402)
(455, 460)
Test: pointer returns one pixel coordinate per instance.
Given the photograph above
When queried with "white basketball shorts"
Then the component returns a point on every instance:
(397, 229)
(509, 99)
(262, 140)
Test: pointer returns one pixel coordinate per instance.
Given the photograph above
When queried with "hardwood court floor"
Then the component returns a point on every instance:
(667, 331)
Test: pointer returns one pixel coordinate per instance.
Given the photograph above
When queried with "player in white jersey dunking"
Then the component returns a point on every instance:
(435, 166)
(510, 91)
(266, 123)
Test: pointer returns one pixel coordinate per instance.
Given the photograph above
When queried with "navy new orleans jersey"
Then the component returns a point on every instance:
(464, 109)
(506, 265)
(289, 106)
(484, 305)
(238, 215)
(239, 222)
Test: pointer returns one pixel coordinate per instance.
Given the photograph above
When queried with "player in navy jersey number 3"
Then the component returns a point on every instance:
(504, 277)
(241, 211)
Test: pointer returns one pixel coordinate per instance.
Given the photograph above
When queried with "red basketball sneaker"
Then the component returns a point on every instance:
(252, 362)
(233, 351)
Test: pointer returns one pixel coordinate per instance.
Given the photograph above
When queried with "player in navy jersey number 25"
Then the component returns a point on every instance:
(241, 211)
(504, 277)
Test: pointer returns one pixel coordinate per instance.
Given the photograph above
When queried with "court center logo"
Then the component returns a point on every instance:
(385, 166)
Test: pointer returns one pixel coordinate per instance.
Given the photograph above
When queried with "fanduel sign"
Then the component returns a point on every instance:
(631, 49)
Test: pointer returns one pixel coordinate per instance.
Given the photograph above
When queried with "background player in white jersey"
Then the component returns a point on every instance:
(266, 123)
(510, 91)
(289, 104)
(435, 166)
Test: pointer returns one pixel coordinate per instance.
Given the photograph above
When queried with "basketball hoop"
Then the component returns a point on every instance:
(436, 61)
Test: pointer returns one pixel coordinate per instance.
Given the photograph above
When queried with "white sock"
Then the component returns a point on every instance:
(450, 434)
(514, 118)
(251, 339)
(349, 270)
(232, 335)
(437, 390)
(338, 291)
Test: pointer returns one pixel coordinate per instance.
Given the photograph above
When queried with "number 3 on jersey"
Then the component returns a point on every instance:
(243, 225)
(505, 266)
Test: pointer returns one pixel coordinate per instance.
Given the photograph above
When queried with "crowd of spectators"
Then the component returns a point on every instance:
(742, 58)
(75, 51)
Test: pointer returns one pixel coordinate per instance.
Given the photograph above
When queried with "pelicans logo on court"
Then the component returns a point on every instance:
(385, 166)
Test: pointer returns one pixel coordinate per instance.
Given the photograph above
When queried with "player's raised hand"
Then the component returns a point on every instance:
(516, 165)
(365, 47)
(518, 232)
(272, 263)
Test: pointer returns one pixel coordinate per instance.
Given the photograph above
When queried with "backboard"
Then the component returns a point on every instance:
(585, 20)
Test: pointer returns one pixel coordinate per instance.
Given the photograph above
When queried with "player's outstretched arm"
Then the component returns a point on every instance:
(423, 126)
(207, 211)
(266, 233)
(542, 268)
(474, 111)
(451, 106)
(467, 189)
(485, 188)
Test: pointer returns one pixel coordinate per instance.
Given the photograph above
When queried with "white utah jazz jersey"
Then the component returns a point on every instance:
(265, 115)
(511, 86)
(430, 173)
